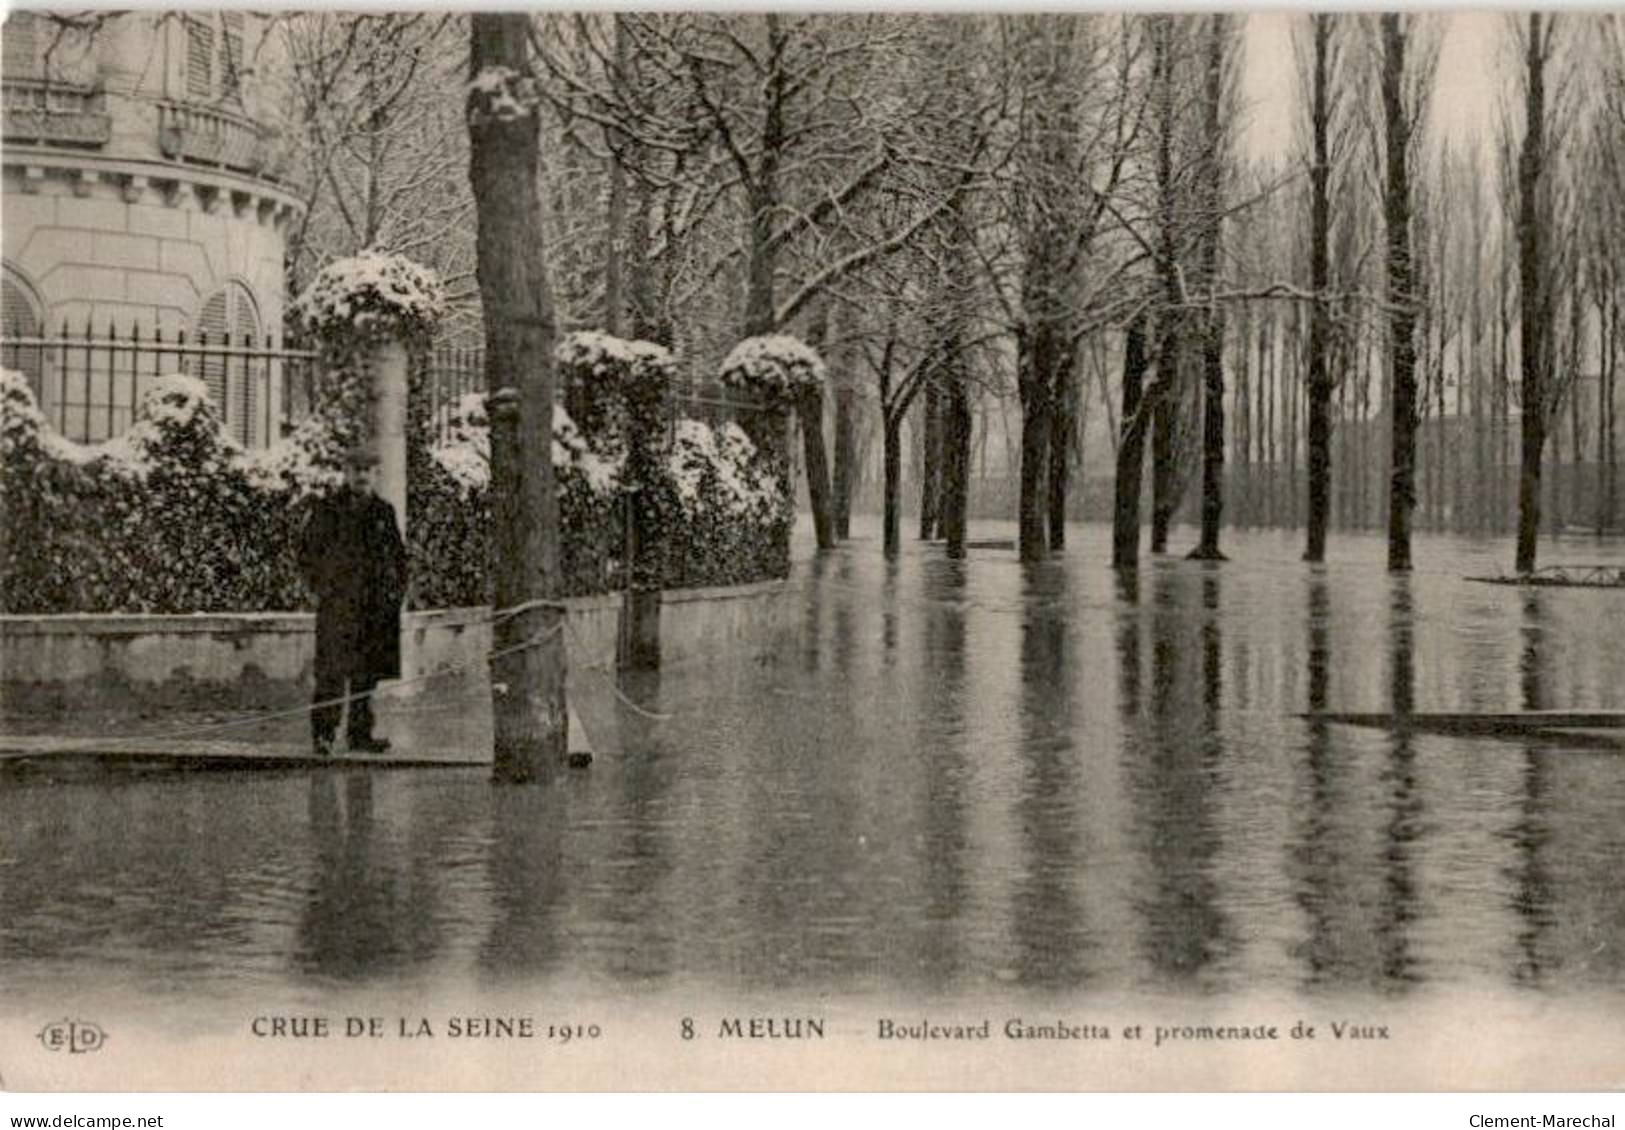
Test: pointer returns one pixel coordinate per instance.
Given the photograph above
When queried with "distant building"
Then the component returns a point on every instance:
(144, 197)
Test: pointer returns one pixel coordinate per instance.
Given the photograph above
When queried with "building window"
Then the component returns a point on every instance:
(228, 325)
(214, 56)
(21, 319)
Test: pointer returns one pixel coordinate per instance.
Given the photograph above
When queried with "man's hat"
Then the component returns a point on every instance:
(360, 457)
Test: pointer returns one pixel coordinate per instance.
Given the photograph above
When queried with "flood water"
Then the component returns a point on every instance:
(958, 778)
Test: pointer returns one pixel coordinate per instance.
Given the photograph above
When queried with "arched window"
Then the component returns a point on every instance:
(21, 318)
(230, 322)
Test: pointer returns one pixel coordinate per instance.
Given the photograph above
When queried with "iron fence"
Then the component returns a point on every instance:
(456, 372)
(90, 385)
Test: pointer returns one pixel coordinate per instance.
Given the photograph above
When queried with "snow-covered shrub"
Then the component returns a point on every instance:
(371, 296)
(727, 520)
(605, 381)
(164, 518)
(777, 367)
(449, 524)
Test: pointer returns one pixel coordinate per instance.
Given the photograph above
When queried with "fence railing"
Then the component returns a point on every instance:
(456, 372)
(89, 385)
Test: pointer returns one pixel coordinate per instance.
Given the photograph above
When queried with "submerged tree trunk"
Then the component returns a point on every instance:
(1320, 384)
(956, 437)
(1212, 439)
(931, 462)
(1130, 453)
(528, 665)
(1164, 456)
(810, 407)
(891, 490)
(1036, 361)
(1063, 423)
(1533, 313)
(1402, 345)
(1213, 320)
(845, 458)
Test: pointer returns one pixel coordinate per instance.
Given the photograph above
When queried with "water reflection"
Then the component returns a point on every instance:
(1172, 771)
(358, 922)
(942, 737)
(1053, 945)
(1402, 828)
(962, 772)
(527, 875)
(1532, 890)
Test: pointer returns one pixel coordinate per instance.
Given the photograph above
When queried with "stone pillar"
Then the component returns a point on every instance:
(390, 368)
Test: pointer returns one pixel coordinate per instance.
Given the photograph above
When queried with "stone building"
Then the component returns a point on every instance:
(145, 198)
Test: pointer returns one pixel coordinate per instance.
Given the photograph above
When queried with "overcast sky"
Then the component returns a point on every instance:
(1473, 76)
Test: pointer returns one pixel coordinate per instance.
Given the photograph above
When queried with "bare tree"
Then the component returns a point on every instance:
(528, 664)
(1409, 57)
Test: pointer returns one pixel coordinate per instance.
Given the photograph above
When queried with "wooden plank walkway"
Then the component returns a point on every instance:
(1594, 728)
(216, 753)
(1564, 576)
(447, 734)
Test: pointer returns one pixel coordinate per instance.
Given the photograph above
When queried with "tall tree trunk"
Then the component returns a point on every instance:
(1320, 384)
(845, 456)
(640, 297)
(810, 407)
(930, 461)
(1170, 329)
(528, 667)
(1130, 453)
(1533, 312)
(1164, 456)
(1213, 320)
(891, 511)
(1063, 424)
(1212, 439)
(956, 437)
(1035, 358)
(1397, 217)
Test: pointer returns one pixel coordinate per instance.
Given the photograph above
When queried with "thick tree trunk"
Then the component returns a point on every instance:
(1063, 421)
(1320, 384)
(1036, 363)
(1164, 426)
(528, 665)
(891, 512)
(1402, 344)
(930, 462)
(1213, 322)
(845, 459)
(956, 437)
(1212, 440)
(810, 407)
(1130, 454)
(1533, 313)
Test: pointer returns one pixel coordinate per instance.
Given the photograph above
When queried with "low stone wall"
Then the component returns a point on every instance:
(52, 664)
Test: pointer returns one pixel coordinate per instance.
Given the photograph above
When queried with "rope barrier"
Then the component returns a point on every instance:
(293, 712)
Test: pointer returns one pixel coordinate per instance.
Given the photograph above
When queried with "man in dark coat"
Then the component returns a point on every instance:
(352, 556)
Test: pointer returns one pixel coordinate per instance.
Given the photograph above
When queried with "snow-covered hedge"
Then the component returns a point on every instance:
(776, 366)
(174, 516)
(371, 295)
(717, 512)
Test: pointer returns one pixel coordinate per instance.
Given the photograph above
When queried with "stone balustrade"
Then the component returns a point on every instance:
(212, 136)
(55, 113)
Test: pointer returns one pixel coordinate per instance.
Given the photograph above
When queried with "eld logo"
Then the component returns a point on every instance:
(75, 1036)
